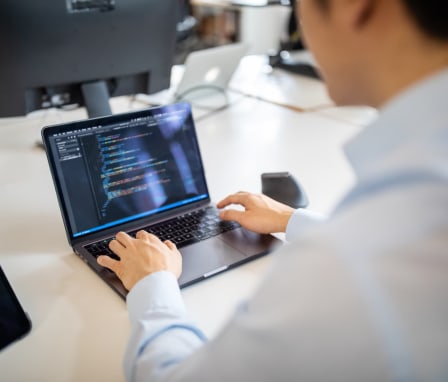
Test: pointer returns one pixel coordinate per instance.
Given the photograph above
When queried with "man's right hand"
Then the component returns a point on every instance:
(261, 214)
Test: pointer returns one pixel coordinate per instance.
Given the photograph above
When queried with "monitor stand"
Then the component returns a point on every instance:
(96, 98)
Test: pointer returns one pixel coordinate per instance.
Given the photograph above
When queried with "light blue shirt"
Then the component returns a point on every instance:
(362, 296)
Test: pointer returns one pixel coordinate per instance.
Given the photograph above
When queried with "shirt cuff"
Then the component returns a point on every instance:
(156, 292)
(301, 220)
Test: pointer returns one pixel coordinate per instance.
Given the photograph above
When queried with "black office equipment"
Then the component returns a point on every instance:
(284, 188)
(284, 57)
(80, 52)
(284, 60)
(14, 322)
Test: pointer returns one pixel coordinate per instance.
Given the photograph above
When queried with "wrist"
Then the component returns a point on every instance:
(284, 220)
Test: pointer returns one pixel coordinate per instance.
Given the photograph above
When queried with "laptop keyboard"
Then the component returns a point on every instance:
(183, 230)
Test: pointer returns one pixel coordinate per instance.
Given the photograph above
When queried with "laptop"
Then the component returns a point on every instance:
(143, 170)
(209, 70)
(205, 73)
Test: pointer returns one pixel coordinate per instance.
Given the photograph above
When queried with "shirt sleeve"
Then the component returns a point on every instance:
(301, 220)
(161, 333)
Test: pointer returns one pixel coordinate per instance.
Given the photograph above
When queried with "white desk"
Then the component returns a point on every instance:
(80, 326)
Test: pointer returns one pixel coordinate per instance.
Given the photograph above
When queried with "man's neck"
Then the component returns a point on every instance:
(405, 66)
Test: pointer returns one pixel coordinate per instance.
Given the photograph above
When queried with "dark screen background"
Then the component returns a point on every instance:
(132, 169)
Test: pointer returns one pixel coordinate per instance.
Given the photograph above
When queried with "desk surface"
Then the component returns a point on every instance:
(80, 326)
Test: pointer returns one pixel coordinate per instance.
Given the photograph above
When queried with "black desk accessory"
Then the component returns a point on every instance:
(284, 188)
(284, 61)
(14, 321)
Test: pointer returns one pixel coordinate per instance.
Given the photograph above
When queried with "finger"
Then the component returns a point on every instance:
(238, 198)
(153, 238)
(124, 239)
(170, 245)
(232, 215)
(117, 247)
(142, 235)
(108, 262)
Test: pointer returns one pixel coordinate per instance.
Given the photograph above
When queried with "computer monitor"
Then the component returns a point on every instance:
(63, 52)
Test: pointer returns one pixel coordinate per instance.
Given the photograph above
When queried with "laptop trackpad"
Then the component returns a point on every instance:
(206, 258)
(251, 243)
(221, 252)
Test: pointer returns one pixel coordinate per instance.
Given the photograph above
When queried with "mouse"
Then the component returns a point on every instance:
(284, 188)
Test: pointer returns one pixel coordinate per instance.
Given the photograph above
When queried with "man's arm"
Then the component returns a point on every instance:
(161, 333)
(300, 221)
(308, 312)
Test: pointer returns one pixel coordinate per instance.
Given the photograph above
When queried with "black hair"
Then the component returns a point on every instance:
(431, 16)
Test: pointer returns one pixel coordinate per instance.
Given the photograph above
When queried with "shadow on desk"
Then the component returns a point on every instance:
(34, 233)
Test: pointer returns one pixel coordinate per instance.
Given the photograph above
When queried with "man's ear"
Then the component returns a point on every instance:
(355, 14)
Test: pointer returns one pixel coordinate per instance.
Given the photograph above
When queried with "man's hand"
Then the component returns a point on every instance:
(140, 257)
(261, 214)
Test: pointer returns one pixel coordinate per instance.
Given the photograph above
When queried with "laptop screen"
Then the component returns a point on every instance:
(117, 169)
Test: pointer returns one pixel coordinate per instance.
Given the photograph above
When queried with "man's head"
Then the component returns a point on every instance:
(369, 50)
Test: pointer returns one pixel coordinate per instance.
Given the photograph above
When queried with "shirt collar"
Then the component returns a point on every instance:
(413, 114)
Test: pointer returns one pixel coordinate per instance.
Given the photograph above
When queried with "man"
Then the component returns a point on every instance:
(363, 295)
